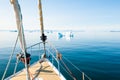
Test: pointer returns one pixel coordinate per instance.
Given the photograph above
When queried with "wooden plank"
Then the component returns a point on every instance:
(44, 72)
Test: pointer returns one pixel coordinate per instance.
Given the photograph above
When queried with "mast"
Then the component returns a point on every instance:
(43, 36)
(21, 36)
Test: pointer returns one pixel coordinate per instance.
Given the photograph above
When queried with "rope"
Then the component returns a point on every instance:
(72, 64)
(63, 57)
(68, 70)
(65, 70)
(76, 68)
(69, 61)
(10, 58)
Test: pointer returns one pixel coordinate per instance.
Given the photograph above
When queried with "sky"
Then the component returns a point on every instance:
(63, 14)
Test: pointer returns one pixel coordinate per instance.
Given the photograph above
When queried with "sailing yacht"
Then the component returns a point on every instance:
(44, 68)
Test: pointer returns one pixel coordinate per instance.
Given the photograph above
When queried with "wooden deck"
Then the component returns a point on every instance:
(44, 72)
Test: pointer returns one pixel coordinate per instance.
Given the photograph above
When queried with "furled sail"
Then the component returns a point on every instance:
(41, 17)
(20, 32)
(19, 24)
(43, 36)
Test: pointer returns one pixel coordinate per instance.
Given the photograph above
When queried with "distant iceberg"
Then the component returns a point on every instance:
(13, 30)
(69, 34)
(114, 31)
(60, 35)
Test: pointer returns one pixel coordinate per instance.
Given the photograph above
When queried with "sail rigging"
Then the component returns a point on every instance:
(18, 15)
(20, 29)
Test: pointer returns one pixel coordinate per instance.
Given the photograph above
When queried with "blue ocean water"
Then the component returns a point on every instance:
(95, 53)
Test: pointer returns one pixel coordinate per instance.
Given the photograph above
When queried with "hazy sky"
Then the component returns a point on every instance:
(59, 14)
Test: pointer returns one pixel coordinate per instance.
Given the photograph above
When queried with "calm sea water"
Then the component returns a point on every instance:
(95, 53)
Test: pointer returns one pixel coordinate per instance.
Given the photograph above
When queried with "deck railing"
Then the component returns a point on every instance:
(51, 55)
(51, 52)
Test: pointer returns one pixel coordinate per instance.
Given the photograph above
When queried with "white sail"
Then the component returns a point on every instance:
(19, 24)
(20, 32)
